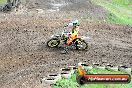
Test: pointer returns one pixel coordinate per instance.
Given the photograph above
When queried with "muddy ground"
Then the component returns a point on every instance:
(25, 59)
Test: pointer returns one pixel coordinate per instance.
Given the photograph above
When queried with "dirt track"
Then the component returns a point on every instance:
(25, 59)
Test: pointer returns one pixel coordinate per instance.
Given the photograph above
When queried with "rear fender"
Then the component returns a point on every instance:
(76, 39)
(85, 38)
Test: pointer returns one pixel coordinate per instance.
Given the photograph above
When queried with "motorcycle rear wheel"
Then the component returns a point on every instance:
(81, 44)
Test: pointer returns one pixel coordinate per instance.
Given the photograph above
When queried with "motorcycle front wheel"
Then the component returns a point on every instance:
(54, 42)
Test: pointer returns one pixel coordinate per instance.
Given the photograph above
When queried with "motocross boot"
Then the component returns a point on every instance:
(65, 50)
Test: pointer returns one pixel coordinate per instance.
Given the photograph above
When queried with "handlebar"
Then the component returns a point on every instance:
(65, 26)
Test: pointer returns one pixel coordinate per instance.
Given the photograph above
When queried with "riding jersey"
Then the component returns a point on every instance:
(74, 35)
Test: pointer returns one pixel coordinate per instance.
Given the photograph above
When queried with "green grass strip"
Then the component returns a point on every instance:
(71, 83)
(3, 2)
(120, 12)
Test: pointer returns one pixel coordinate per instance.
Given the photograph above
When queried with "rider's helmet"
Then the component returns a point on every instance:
(75, 23)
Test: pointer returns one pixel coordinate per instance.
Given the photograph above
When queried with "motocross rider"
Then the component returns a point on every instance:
(74, 33)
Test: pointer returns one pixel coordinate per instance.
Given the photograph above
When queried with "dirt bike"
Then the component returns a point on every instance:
(79, 43)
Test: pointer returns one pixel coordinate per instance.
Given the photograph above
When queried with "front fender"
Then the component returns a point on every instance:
(55, 36)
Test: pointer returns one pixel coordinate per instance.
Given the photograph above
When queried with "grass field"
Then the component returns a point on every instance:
(2, 2)
(120, 11)
(71, 83)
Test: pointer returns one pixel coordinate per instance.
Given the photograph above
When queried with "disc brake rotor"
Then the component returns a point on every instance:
(53, 43)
